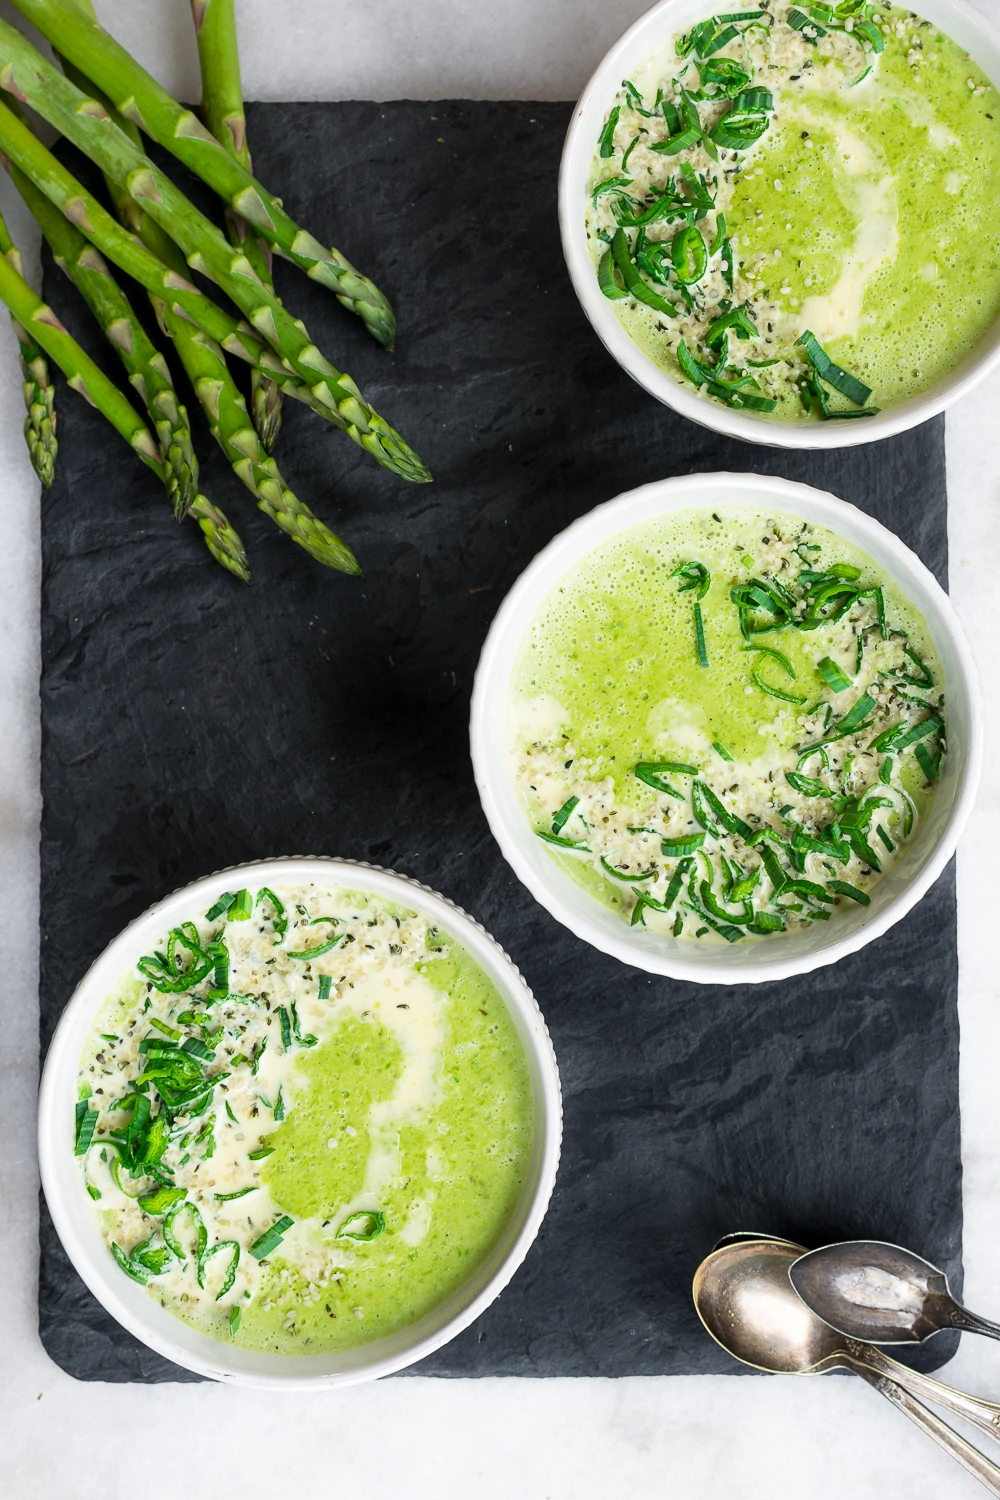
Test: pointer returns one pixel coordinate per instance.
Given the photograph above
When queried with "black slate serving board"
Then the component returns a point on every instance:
(189, 723)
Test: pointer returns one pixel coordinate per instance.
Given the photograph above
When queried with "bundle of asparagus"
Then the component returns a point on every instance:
(101, 101)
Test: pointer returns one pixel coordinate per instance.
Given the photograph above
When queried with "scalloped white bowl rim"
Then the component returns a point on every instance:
(957, 20)
(767, 959)
(73, 1213)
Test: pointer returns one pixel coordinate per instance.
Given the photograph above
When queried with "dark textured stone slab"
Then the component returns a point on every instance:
(190, 723)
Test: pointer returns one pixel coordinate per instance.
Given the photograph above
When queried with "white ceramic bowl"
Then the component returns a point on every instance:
(957, 20)
(73, 1213)
(791, 953)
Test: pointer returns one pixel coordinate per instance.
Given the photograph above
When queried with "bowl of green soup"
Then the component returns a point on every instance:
(299, 1124)
(780, 220)
(727, 728)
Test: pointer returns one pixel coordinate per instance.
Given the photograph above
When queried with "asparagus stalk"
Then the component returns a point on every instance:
(39, 402)
(35, 81)
(86, 378)
(39, 392)
(141, 99)
(222, 111)
(206, 367)
(147, 369)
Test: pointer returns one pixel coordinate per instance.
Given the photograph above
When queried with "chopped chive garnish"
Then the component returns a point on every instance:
(286, 1028)
(730, 822)
(279, 1106)
(682, 141)
(228, 1197)
(630, 148)
(887, 841)
(900, 737)
(322, 947)
(303, 1041)
(195, 1048)
(834, 676)
(842, 380)
(170, 1031)
(686, 843)
(271, 1238)
(241, 908)
(630, 275)
(931, 766)
(280, 920)
(807, 785)
(654, 774)
(606, 139)
(737, 321)
(610, 279)
(229, 1112)
(925, 679)
(721, 750)
(86, 1123)
(221, 906)
(258, 1054)
(163, 1198)
(766, 687)
(363, 1227)
(620, 874)
(699, 637)
(841, 888)
(230, 1276)
(689, 254)
(325, 986)
(560, 843)
(260, 1153)
(562, 816)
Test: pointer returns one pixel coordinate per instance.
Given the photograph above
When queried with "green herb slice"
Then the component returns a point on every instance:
(620, 874)
(685, 843)
(689, 253)
(86, 1123)
(307, 953)
(841, 888)
(271, 1238)
(834, 676)
(221, 906)
(561, 818)
(842, 380)
(606, 139)
(363, 1227)
(699, 637)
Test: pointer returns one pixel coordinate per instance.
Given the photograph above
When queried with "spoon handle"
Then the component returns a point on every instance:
(946, 1437)
(970, 1322)
(982, 1414)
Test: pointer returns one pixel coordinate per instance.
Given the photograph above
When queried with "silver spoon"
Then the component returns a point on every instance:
(744, 1298)
(871, 1290)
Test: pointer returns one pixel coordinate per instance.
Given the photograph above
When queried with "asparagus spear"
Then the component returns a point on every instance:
(85, 377)
(222, 111)
(146, 367)
(39, 392)
(35, 81)
(140, 98)
(220, 397)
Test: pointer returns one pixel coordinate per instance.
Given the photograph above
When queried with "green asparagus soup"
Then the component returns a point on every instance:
(727, 724)
(304, 1119)
(793, 208)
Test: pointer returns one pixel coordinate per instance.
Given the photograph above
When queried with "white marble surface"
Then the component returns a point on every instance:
(696, 1438)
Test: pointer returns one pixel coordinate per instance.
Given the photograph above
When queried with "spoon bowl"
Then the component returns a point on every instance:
(881, 1293)
(744, 1298)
